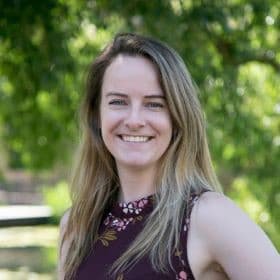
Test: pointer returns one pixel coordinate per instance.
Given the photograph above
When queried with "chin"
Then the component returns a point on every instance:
(135, 164)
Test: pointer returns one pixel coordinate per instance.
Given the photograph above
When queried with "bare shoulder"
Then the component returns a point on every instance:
(64, 219)
(233, 239)
(211, 198)
(62, 230)
(212, 208)
(213, 205)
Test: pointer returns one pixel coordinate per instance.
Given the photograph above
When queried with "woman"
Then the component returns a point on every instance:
(146, 201)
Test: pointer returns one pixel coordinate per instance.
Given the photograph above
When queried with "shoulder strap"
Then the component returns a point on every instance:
(184, 234)
(193, 199)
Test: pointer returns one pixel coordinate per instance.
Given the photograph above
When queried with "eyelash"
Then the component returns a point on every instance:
(121, 102)
(116, 102)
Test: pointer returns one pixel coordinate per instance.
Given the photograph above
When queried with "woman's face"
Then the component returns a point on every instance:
(135, 121)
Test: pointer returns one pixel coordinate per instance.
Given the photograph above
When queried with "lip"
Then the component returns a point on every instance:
(150, 136)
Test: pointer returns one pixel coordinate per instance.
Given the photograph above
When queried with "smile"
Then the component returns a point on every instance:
(136, 139)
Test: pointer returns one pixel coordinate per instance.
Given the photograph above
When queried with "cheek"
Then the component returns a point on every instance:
(168, 122)
(164, 125)
(109, 122)
(107, 136)
(104, 123)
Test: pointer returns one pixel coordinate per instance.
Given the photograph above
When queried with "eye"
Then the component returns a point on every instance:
(155, 105)
(117, 102)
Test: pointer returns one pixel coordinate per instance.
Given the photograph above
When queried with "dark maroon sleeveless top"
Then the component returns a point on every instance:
(120, 225)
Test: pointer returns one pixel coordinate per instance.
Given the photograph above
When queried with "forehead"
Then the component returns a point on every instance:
(130, 75)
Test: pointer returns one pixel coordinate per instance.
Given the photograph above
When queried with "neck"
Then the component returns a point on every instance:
(136, 184)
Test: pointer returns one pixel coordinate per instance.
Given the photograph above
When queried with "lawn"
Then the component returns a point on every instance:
(28, 253)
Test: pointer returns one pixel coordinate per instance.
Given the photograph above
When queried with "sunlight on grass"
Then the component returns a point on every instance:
(23, 274)
(28, 253)
(44, 236)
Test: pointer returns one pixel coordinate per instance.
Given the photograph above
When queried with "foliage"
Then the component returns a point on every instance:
(57, 197)
(231, 48)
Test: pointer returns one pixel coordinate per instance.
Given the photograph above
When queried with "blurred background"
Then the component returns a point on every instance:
(230, 47)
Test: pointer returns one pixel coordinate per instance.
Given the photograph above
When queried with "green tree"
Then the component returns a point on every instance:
(231, 48)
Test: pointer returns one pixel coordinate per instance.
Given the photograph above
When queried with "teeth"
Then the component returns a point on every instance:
(135, 138)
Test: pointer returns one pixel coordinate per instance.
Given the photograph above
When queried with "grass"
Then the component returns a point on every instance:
(28, 253)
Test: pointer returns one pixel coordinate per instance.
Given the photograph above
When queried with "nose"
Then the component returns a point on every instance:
(134, 119)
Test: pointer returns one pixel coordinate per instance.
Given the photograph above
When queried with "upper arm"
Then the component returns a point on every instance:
(62, 248)
(234, 241)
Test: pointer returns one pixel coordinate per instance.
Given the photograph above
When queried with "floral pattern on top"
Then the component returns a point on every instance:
(108, 235)
(187, 219)
(120, 277)
(134, 206)
(182, 274)
(122, 215)
(120, 223)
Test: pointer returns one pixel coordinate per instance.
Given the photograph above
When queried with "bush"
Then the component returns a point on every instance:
(57, 197)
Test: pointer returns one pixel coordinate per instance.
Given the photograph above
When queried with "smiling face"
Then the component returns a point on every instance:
(135, 122)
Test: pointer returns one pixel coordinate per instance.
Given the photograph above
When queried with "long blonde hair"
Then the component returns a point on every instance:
(185, 167)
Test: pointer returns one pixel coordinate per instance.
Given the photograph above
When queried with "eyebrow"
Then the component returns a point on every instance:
(125, 95)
